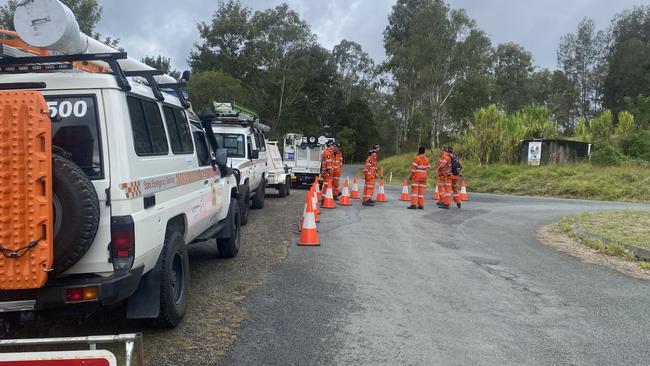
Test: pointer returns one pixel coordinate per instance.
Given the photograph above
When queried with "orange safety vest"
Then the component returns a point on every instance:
(327, 161)
(370, 168)
(444, 164)
(420, 167)
(338, 162)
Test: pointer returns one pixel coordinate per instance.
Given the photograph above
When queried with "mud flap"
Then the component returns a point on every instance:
(145, 302)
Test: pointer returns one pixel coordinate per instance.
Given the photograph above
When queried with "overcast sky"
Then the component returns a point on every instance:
(168, 27)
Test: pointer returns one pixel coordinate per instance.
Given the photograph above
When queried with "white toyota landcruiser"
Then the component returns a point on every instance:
(237, 130)
(134, 183)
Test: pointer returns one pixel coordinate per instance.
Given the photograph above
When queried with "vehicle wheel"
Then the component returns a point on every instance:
(75, 211)
(244, 203)
(229, 247)
(288, 183)
(282, 189)
(174, 281)
(260, 195)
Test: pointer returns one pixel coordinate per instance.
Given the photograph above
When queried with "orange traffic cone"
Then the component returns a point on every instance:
(463, 192)
(314, 201)
(405, 193)
(436, 194)
(344, 200)
(308, 232)
(381, 194)
(317, 188)
(355, 190)
(328, 201)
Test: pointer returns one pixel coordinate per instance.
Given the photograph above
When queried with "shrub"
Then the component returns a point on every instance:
(637, 145)
(605, 154)
(602, 126)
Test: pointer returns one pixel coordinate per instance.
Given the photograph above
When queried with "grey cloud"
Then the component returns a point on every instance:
(167, 27)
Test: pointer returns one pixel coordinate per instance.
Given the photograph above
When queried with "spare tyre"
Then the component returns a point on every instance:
(76, 213)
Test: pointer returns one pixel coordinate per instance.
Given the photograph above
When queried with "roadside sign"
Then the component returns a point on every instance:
(534, 153)
(65, 358)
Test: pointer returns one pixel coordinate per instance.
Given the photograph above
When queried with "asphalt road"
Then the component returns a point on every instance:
(459, 287)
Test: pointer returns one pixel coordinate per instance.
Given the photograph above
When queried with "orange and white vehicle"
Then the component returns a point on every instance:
(106, 178)
(237, 129)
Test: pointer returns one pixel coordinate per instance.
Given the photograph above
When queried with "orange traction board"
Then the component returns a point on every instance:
(26, 238)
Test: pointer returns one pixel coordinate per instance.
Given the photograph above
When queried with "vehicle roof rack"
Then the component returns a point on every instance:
(35, 63)
(27, 64)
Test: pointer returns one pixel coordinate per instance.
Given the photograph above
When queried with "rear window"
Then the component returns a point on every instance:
(233, 142)
(75, 129)
(149, 136)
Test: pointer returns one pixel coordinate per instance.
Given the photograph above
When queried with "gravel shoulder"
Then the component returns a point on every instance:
(218, 287)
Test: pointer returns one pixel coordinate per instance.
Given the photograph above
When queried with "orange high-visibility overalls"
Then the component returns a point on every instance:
(454, 186)
(444, 173)
(419, 170)
(326, 169)
(370, 173)
(336, 172)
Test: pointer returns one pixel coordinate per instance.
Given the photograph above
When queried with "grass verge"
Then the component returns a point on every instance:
(614, 232)
(627, 183)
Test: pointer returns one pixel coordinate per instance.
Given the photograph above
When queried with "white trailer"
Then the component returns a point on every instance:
(302, 154)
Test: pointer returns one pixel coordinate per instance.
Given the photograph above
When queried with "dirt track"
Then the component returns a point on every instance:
(218, 288)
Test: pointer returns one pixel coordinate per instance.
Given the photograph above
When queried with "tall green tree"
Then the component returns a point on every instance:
(628, 75)
(581, 58)
(512, 71)
(215, 86)
(163, 64)
(355, 68)
(279, 47)
(431, 49)
(223, 41)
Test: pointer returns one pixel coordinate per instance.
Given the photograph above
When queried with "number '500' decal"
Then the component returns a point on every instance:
(67, 108)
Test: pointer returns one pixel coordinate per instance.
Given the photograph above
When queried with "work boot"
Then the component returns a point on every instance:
(336, 198)
(368, 204)
(412, 207)
(444, 207)
(458, 205)
(372, 201)
(420, 207)
(440, 204)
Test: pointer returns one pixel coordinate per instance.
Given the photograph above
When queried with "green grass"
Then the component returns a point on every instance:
(620, 228)
(624, 227)
(628, 182)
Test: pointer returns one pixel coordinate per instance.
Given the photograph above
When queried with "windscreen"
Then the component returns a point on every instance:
(234, 143)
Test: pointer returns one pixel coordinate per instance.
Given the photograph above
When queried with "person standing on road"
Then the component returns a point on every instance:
(456, 166)
(419, 169)
(327, 166)
(338, 168)
(370, 173)
(444, 173)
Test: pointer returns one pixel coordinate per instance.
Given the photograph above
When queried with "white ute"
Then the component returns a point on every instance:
(236, 129)
(136, 179)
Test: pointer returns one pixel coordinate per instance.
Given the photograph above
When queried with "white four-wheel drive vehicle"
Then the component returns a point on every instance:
(279, 176)
(105, 183)
(236, 129)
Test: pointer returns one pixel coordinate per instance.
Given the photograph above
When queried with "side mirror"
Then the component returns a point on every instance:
(255, 154)
(222, 157)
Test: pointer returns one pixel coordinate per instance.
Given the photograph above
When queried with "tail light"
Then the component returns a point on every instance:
(122, 246)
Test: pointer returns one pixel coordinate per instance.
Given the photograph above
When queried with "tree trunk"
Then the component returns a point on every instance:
(284, 80)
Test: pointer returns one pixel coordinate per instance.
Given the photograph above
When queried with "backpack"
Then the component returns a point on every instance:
(456, 166)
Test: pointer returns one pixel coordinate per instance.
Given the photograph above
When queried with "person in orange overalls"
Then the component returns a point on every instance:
(370, 173)
(455, 176)
(444, 173)
(338, 168)
(419, 170)
(327, 167)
